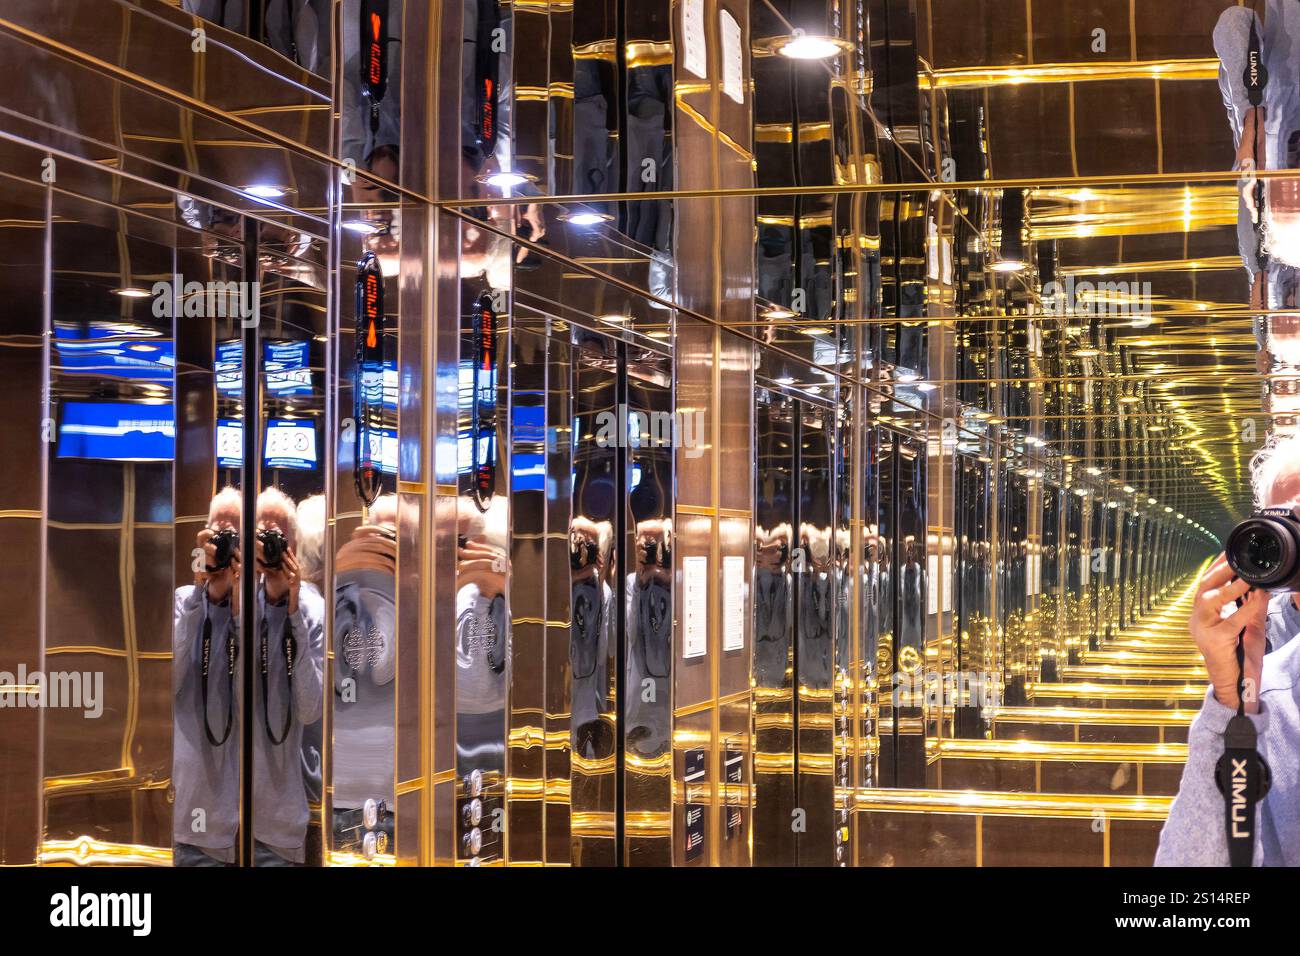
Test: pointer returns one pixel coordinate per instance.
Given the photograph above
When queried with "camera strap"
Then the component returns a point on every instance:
(230, 681)
(1255, 79)
(290, 646)
(1242, 774)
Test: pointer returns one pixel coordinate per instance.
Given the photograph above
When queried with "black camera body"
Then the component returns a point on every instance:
(226, 545)
(274, 546)
(1264, 550)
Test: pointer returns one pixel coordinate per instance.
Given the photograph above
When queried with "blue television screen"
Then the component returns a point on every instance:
(100, 351)
(383, 449)
(117, 431)
(290, 443)
(228, 367)
(287, 368)
(230, 443)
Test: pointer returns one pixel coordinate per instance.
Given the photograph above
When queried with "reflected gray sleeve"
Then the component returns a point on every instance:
(1194, 834)
(309, 669)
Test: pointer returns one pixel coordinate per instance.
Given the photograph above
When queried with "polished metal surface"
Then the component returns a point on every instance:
(766, 454)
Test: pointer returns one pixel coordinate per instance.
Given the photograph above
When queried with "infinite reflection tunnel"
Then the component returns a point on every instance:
(637, 432)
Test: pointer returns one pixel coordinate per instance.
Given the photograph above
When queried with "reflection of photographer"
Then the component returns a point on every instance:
(287, 666)
(1266, 623)
(482, 636)
(591, 612)
(772, 610)
(1265, 134)
(649, 625)
(365, 664)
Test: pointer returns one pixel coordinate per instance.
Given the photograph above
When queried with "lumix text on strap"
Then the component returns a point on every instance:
(1241, 774)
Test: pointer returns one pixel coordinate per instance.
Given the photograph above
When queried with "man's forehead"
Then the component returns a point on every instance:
(1286, 486)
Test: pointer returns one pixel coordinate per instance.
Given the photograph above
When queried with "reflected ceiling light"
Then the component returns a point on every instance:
(1094, 471)
(1155, 428)
(1168, 509)
(778, 313)
(586, 217)
(1151, 501)
(265, 191)
(1011, 244)
(815, 330)
(615, 319)
(132, 292)
(804, 46)
(1129, 400)
(661, 334)
(785, 380)
(506, 179)
(1129, 489)
(906, 377)
(926, 387)
(364, 227)
(1086, 352)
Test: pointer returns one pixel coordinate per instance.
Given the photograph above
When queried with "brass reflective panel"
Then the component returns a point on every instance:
(712, 433)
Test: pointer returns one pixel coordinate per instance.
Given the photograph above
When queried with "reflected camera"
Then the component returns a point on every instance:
(1264, 550)
(225, 543)
(274, 545)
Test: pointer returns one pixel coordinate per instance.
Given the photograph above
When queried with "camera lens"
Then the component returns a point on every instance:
(1263, 552)
(1260, 551)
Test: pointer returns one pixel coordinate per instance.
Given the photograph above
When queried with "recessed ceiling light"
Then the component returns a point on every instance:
(506, 179)
(365, 227)
(803, 46)
(265, 191)
(615, 319)
(586, 217)
(815, 330)
(131, 292)
(778, 313)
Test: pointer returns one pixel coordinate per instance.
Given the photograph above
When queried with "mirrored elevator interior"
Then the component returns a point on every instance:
(620, 432)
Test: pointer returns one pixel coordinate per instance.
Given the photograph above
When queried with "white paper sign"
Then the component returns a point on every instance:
(695, 51)
(947, 582)
(932, 584)
(733, 63)
(733, 607)
(695, 611)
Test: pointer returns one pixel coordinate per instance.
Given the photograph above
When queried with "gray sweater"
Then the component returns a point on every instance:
(1194, 833)
(206, 778)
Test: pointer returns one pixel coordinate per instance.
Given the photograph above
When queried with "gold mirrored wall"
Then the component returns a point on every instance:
(698, 433)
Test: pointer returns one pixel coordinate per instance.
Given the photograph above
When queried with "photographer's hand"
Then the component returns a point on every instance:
(1216, 636)
(281, 581)
(221, 583)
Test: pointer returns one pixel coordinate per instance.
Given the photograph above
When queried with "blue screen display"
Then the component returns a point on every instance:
(286, 367)
(117, 431)
(104, 352)
(290, 443)
(230, 443)
(229, 365)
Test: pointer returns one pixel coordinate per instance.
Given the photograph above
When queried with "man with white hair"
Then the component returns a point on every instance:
(1194, 834)
(288, 661)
